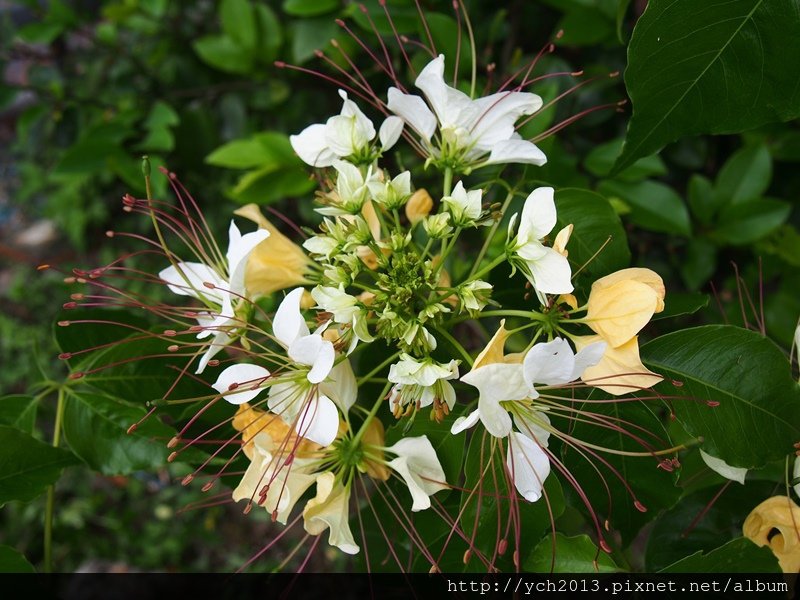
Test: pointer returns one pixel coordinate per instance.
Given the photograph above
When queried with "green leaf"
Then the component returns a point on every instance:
(595, 222)
(703, 519)
(309, 35)
(737, 556)
(653, 206)
(309, 8)
(238, 22)
(576, 554)
(622, 10)
(270, 34)
(266, 150)
(601, 160)
(221, 52)
(710, 67)
(758, 416)
(95, 427)
(12, 561)
(271, 184)
(700, 194)
(28, 466)
(161, 119)
(746, 223)
(585, 26)
(699, 263)
(609, 425)
(745, 176)
(18, 411)
(677, 303)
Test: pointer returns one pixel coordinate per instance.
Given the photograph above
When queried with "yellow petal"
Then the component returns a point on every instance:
(329, 510)
(620, 310)
(560, 243)
(493, 353)
(373, 440)
(371, 217)
(276, 263)
(252, 421)
(776, 523)
(620, 371)
(419, 206)
(645, 276)
(568, 299)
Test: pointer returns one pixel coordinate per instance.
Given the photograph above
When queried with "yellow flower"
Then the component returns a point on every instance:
(780, 514)
(251, 421)
(329, 510)
(619, 306)
(419, 206)
(276, 263)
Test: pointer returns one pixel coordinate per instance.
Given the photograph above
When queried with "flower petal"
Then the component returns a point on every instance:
(464, 423)
(341, 385)
(239, 249)
(528, 464)
(418, 465)
(188, 278)
(414, 111)
(246, 380)
(538, 214)
(549, 363)
(620, 371)
(318, 420)
(516, 151)
(288, 323)
(312, 147)
(619, 311)
(390, 131)
(532, 423)
(720, 466)
(496, 115)
(551, 273)
(329, 510)
(316, 352)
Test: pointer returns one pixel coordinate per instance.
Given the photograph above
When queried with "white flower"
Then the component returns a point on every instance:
(393, 193)
(474, 294)
(345, 310)
(343, 135)
(464, 206)
(329, 510)
(241, 383)
(421, 383)
(547, 270)
(189, 279)
(352, 189)
(468, 129)
(554, 363)
(418, 465)
(722, 468)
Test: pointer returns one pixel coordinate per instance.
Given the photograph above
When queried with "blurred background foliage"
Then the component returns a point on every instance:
(90, 86)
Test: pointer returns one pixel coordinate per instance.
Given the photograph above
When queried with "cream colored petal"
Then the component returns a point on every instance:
(493, 352)
(619, 311)
(782, 514)
(646, 276)
(329, 510)
(620, 371)
(418, 206)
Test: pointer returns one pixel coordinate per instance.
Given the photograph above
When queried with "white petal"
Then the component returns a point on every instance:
(188, 279)
(588, 357)
(453, 107)
(246, 377)
(341, 385)
(496, 115)
(532, 424)
(797, 473)
(311, 147)
(390, 131)
(286, 399)
(528, 464)
(723, 468)
(315, 352)
(239, 249)
(551, 274)
(414, 111)
(420, 468)
(538, 214)
(221, 339)
(464, 423)
(516, 151)
(288, 323)
(549, 363)
(318, 421)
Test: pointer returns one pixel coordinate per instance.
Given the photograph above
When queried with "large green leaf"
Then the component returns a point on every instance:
(18, 411)
(745, 176)
(703, 520)
(605, 464)
(652, 205)
(718, 66)
(95, 427)
(28, 466)
(576, 554)
(12, 561)
(595, 224)
(757, 418)
(737, 556)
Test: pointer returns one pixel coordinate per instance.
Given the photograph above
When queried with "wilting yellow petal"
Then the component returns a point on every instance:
(251, 421)
(620, 310)
(620, 371)
(568, 299)
(494, 351)
(374, 440)
(276, 263)
(645, 276)
(776, 523)
(329, 510)
(419, 206)
(371, 217)
(560, 243)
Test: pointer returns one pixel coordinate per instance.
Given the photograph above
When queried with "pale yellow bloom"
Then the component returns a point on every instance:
(251, 421)
(560, 243)
(329, 510)
(782, 514)
(620, 371)
(276, 263)
(419, 206)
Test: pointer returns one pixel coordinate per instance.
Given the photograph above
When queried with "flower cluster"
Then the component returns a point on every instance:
(379, 316)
